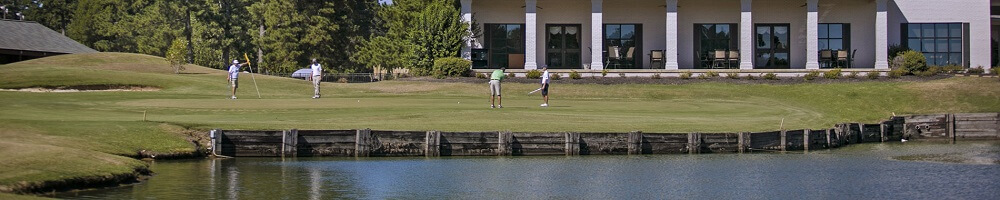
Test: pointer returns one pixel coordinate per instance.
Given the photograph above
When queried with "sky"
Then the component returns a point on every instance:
(385, 1)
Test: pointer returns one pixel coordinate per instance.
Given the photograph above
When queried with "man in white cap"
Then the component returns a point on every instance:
(317, 77)
(234, 73)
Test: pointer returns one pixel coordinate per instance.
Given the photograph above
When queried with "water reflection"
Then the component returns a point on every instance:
(862, 171)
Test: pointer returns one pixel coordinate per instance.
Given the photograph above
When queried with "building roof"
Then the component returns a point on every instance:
(31, 36)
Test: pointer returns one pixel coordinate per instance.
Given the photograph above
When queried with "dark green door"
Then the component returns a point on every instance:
(562, 46)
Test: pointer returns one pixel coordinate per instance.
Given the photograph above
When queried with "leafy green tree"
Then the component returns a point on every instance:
(177, 54)
(280, 41)
(433, 27)
(387, 53)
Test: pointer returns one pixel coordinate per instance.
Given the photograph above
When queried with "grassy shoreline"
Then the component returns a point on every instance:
(82, 135)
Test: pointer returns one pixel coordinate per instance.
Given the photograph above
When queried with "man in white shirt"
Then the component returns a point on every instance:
(317, 77)
(545, 86)
(234, 73)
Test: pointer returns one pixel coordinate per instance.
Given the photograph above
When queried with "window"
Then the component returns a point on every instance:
(834, 37)
(505, 45)
(941, 43)
(626, 40)
(712, 39)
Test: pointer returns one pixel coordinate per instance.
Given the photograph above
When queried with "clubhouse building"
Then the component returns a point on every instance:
(727, 34)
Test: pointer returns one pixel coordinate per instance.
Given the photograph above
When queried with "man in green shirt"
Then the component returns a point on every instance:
(495, 78)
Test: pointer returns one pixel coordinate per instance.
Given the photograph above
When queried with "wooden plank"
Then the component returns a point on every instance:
(362, 145)
(505, 139)
(805, 139)
(766, 140)
(432, 144)
(290, 143)
(635, 143)
(572, 144)
(469, 137)
(216, 136)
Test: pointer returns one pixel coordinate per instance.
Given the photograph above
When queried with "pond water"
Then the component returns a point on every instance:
(921, 170)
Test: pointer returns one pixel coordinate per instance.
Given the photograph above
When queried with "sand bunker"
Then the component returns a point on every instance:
(87, 88)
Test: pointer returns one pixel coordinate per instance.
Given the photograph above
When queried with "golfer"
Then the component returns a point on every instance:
(316, 78)
(495, 78)
(545, 86)
(234, 73)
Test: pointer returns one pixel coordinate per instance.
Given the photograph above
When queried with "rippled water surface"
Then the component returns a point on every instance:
(968, 170)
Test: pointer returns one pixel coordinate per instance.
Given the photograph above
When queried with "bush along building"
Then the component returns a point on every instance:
(754, 35)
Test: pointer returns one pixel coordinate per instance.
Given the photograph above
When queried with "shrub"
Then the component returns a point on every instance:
(896, 62)
(976, 71)
(733, 75)
(954, 69)
(811, 75)
(604, 73)
(853, 75)
(770, 76)
(556, 76)
(896, 73)
(832, 74)
(575, 75)
(895, 50)
(481, 76)
(931, 71)
(995, 70)
(913, 62)
(873, 75)
(342, 80)
(451, 67)
(621, 75)
(702, 76)
(533, 74)
(750, 77)
(685, 75)
(711, 73)
(656, 76)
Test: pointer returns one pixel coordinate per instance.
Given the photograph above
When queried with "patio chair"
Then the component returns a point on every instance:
(613, 55)
(718, 58)
(734, 57)
(825, 58)
(842, 57)
(656, 56)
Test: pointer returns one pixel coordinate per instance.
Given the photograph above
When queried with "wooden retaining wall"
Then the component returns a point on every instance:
(366, 143)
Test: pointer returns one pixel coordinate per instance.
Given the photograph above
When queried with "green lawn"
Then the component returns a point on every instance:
(86, 134)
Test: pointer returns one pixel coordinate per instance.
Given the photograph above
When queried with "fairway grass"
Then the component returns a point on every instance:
(57, 136)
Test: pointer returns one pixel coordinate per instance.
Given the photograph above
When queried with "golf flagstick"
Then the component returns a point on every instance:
(251, 75)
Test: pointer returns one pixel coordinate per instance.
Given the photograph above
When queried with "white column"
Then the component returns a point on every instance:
(596, 34)
(812, 35)
(671, 52)
(746, 35)
(467, 18)
(530, 38)
(881, 35)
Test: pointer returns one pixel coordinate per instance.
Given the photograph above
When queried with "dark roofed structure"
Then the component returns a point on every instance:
(25, 40)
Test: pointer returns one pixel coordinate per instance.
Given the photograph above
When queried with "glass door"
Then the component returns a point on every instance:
(772, 46)
(623, 46)
(716, 46)
(562, 46)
